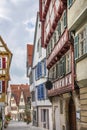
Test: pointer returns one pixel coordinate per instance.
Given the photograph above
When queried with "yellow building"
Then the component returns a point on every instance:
(5, 61)
(77, 24)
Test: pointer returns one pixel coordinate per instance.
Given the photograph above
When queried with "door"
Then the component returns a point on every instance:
(57, 119)
(72, 115)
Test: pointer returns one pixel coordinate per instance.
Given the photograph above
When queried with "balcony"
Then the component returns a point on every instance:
(63, 85)
(60, 49)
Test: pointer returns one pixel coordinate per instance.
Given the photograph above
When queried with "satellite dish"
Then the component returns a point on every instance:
(48, 85)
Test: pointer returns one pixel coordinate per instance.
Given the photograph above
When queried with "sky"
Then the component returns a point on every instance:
(17, 26)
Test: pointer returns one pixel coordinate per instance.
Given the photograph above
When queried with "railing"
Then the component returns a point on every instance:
(62, 85)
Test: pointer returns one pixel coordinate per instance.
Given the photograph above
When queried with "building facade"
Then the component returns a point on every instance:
(20, 101)
(42, 110)
(5, 61)
(59, 44)
(77, 24)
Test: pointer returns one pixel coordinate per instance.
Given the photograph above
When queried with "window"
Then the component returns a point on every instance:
(62, 66)
(55, 38)
(40, 91)
(0, 86)
(43, 67)
(45, 118)
(80, 43)
(59, 28)
(83, 42)
(39, 48)
(53, 71)
(70, 2)
(21, 99)
(33, 96)
(76, 49)
(68, 63)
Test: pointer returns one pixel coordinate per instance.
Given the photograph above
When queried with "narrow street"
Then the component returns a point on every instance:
(15, 125)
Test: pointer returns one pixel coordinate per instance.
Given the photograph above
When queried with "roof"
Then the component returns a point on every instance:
(29, 54)
(16, 90)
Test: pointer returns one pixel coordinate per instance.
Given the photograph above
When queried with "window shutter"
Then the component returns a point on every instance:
(59, 28)
(44, 67)
(70, 3)
(40, 69)
(3, 86)
(64, 65)
(38, 92)
(0, 86)
(35, 73)
(3, 62)
(65, 19)
(76, 47)
(86, 39)
(42, 91)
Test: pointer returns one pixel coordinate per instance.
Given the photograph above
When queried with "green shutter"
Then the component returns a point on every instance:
(76, 47)
(64, 65)
(59, 28)
(65, 19)
(69, 3)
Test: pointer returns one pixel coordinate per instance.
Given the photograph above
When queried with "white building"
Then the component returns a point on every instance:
(42, 108)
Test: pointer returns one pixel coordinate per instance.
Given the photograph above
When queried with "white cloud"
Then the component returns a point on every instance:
(3, 17)
(17, 24)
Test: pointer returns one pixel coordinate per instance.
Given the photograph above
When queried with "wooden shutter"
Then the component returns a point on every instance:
(38, 92)
(3, 86)
(59, 28)
(76, 47)
(0, 86)
(42, 91)
(65, 19)
(3, 62)
(40, 69)
(36, 73)
(37, 70)
(44, 67)
(64, 65)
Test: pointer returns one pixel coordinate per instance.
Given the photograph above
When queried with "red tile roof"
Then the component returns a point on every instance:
(29, 54)
(17, 89)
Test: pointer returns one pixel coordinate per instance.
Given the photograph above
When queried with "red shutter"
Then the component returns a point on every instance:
(3, 62)
(3, 86)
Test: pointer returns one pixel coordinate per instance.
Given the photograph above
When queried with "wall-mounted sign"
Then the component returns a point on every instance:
(48, 84)
(78, 115)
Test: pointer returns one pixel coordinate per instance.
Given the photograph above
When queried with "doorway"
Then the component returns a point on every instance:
(72, 115)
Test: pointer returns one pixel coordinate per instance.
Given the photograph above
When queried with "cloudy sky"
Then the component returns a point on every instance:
(17, 25)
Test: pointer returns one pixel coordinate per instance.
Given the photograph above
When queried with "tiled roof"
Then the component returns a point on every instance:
(29, 54)
(17, 89)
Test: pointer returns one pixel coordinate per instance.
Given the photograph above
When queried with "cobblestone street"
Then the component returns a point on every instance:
(15, 125)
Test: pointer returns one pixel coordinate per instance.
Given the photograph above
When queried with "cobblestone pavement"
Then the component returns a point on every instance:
(15, 125)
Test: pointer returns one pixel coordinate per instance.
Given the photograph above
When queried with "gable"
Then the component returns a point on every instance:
(21, 102)
(37, 36)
